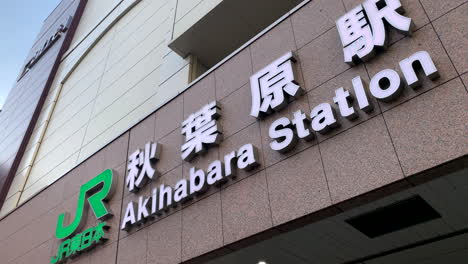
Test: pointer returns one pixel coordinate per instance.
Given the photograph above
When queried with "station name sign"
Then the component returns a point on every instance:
(362, 32)
(201, 131)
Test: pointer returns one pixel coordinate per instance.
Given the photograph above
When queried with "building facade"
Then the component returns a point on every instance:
(222, 131)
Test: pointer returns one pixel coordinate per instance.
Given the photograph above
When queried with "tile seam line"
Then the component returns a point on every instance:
(92, 118)
(443, 14)
(328, 80)
(114, 138)
(387, 129)
(66, 122)
(122, 206)
(395, 151)
(76, 131)
(264, 170)
(129, 69)
(222, 217)
(131, 34)
(141, 11)
(464, 84)
(443, 46)
(125, 56)
(232, 92)
(166, 135)
(310, 107)
(325, 175)
(85, 75)
(344, 6)
(223, 239)
(45, 175)
(63, 108)
(99, 36)
(82, 40)
(95, 81)
(27, 252)
(58, 145)
(419, 94)
(440, 40)
(174, 21)
(314, 39)
(94, 101)
(188, 12)
(173, 74)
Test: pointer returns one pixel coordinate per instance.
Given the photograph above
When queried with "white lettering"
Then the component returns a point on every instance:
(344, 101)
(181, 192)
(142, 212)
(215, 172)
(301, 121)
(284, 136)
(229, 161)
(361, 95)
(323, 118)
(197, 180)
(420, 59)
(165, 194)
(129, 218)
(386, 85)
(247, 157)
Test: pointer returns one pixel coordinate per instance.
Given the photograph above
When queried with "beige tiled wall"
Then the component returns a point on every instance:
(189, 12)
(92, 15)
(129, 73)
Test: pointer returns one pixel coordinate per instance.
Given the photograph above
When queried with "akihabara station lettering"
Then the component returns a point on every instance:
(272, 89)
(385, 86)
(164, 197)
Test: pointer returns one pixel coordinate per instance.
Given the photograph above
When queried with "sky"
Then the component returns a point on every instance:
(20, 22)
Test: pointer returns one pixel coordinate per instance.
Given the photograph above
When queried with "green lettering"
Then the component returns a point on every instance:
(104, 182)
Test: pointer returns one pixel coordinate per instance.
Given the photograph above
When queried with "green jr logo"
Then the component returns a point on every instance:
(103, 183)
(94, 193)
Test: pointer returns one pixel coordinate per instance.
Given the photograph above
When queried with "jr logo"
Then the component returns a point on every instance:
(96, 191)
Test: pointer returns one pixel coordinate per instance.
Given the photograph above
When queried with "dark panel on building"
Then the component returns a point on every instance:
(25, 100)
(394, 217)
